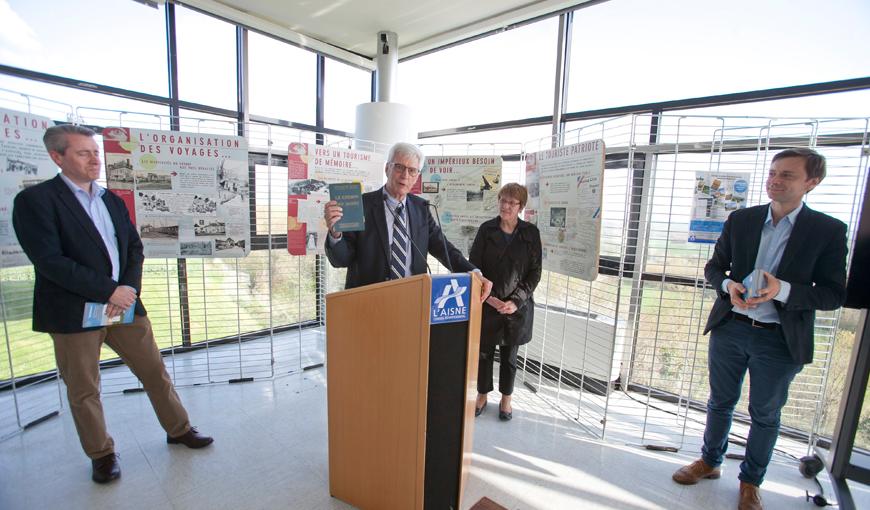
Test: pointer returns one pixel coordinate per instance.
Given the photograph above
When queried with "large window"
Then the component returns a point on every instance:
(64, 104)
(635, 51)
(282, 82)
(502, 77)
(534, 136)
(91, 40)
(344, 88)
(843, 104)
(206, 59)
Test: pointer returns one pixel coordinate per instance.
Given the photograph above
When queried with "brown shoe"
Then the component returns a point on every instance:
(106, 468)
(191, 439)
(691, 474)
(750, 497)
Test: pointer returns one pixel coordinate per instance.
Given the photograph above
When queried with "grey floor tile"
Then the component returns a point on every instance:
(271, 451)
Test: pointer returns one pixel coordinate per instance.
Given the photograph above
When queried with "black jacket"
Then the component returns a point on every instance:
(69, 256)
(814, 263)
(515, 270)
(366, 254)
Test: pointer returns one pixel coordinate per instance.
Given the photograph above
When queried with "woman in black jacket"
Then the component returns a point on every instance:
(508, 251)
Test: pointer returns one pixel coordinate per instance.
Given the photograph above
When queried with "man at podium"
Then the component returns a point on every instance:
(399, 230)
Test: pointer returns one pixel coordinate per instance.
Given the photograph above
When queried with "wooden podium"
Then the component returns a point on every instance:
(401, 390)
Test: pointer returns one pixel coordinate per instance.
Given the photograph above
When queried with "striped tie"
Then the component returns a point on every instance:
(399, 248)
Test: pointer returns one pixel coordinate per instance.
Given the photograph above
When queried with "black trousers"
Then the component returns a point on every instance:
(507, 370)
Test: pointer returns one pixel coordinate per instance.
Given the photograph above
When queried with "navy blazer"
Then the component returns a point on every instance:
(71, 261)
(813, 262)
(366, 254)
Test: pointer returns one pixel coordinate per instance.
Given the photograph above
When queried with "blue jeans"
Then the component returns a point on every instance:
(734, 348)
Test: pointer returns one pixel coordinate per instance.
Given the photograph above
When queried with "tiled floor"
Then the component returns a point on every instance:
(271, 452)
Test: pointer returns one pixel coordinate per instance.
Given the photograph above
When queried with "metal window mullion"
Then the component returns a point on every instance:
(637, 215)
(560, 89)
(242, 76)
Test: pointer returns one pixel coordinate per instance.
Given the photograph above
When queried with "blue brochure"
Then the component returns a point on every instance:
(753, 283)
(95, 316)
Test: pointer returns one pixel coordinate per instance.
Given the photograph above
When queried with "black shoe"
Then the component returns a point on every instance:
(191, 439)
(505, 415)
(479, 410)
(106, 468)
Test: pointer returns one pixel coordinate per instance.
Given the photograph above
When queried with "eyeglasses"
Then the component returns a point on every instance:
(511, 203)
(398, 167)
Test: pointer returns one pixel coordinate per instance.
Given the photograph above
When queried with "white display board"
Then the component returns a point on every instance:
(716, 195)
(23, 163)
(566, 185)
(310, 170)
(464, 189)
(187, 193)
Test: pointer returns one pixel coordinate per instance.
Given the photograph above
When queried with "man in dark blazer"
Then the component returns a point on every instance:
(382, 251)
(802, 254)
(84, 248)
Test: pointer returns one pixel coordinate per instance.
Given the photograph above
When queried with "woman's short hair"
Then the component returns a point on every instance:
(515, 191)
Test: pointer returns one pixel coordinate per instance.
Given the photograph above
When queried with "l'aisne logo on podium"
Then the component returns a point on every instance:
(450, 294)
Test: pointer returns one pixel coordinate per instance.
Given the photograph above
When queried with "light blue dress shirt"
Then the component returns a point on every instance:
(96, 209)
(770, 250)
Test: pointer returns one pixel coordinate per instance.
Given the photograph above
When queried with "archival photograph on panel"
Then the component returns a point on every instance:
(119, 171)
(209, 227)
(151, 202)
(196, 249)
(557, 217)
(153, 180)
(232, 181)
(156, 228)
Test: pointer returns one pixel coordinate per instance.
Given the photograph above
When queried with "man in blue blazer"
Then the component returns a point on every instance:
(399, 230)
(84, 248)
(802, 254)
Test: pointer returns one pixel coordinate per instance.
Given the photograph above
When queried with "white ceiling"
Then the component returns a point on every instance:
(347, 29)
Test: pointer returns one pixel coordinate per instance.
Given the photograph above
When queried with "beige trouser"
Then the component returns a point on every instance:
(78, 360)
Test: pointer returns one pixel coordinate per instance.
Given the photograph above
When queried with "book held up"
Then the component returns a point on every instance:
(349, 198)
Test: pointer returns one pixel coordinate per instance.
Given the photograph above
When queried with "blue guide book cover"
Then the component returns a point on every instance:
(95, 316)
(754, 282)
(349, 197)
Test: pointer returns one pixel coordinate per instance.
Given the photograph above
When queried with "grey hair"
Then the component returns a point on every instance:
(55, 136)
(408, 149)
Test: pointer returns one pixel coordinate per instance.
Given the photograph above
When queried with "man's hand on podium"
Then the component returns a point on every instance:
(485, 288)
